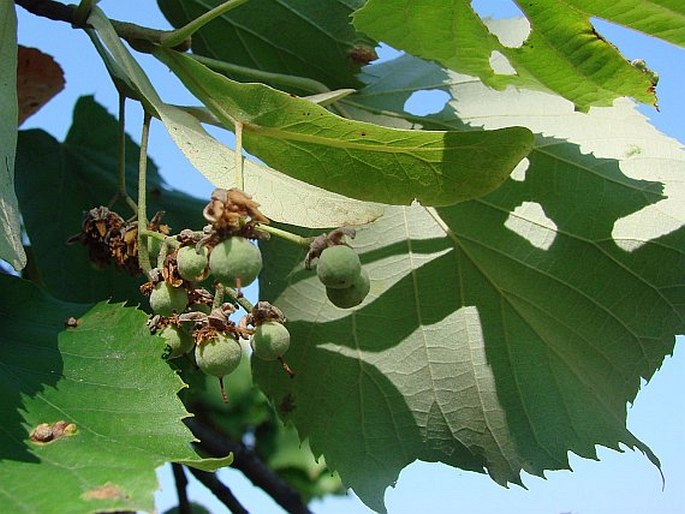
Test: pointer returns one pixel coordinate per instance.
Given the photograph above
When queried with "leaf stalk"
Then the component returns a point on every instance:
(176, 37)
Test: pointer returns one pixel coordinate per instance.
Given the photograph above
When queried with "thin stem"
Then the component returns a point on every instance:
(239, 299)
(121, 155)
(219, 291)
(143, 255)
(220, 490)
(181, 485)
(239, 162)
(287, 81)
(175, 37)
(288, 236)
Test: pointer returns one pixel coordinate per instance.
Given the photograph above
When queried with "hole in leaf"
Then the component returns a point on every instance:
(424, 102)
(499, 18)
(500, 64)
(496, 10)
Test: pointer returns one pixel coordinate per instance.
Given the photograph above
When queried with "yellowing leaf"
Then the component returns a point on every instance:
(356, 159)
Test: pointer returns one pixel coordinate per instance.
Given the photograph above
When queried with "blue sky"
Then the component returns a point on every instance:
(619, 483)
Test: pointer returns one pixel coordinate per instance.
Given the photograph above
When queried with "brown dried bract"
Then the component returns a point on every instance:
(230, 209)
(170, 272)
(111, 239)
(262, 312)
(333, 238)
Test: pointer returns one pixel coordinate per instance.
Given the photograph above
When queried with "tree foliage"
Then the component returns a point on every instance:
(525, 249)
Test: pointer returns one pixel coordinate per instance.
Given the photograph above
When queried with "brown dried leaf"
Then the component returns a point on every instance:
(39, 78)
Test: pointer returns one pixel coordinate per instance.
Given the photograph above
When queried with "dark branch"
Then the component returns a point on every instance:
(220, 490)
(48, 9)
(181, 484)
(247, 461)
(136, 35)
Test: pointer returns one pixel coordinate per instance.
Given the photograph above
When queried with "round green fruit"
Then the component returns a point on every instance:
(219, 356)
(270, 340)
(191, 265)
(235, 258)
(166, 299)
(178, 340)
(338, 267)
(353, 295)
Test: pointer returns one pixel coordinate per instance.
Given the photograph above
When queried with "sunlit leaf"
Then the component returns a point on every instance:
(281, 198)
(500, 333)
(355, 159)
(563, 53)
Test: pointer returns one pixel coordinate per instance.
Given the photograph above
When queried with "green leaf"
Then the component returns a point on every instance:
(500, 333)
(107, 378)
(281, 198)
(58, 182)
(355, 159)
(294, 37)
(11, 248)
(563, 53)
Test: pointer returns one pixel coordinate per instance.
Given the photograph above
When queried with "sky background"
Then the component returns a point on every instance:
(623, 483)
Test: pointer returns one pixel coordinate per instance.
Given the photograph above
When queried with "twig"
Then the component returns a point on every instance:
(220, 490)
(249, 463)
(134, 34)
(181, 484)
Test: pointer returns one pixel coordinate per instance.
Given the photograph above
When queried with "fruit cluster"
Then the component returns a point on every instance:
(195, 322)
(339, 268)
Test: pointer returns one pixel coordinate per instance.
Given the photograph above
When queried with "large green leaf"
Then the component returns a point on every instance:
(563, 52)
(11, 248)
(281, 198)
(106, 377)
(503, 332)
(355, 159)
(293, 37)
(58, 182)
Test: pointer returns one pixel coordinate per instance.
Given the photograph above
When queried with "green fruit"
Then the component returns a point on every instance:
(235, 258)
(338, 267)
(178, 340)
(219, 356)
(191, 265)
(270, 340)
(166, 299)
(353, 295)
